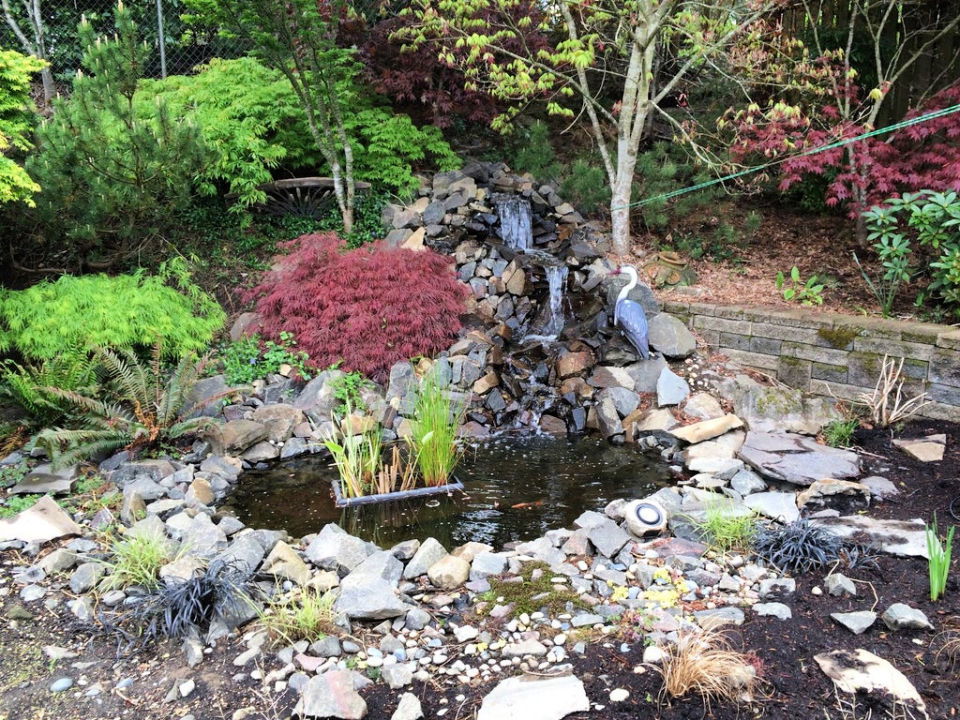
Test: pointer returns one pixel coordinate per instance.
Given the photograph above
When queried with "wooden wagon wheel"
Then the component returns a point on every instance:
(308, 197)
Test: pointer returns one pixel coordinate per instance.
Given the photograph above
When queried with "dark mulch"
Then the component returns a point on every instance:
(794, 687)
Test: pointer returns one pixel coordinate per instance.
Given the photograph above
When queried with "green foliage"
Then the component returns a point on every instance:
(16, 121)
(307, 615)
(146, 408)
(725, 528)
(719, 245)
(357, 455)
(663, 168)
(534, 592)
(23, 385)
(839, 433)
(939, 554)
(249, 359)
(347, 390)
(585, 186)
(16, 504)
(436, 420)
(125, 311)
(110, 178)
(805, 293)
(10, 475)
(248, 116)
(932, 220)
(367, 220)
(534, 153)
(137, 561)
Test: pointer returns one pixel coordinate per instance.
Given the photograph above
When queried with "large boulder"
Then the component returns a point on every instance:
(766, 408)
(335, 549)
(318, 399)
(671, 337)
(280, 420)
(797, 459)
(235, 436)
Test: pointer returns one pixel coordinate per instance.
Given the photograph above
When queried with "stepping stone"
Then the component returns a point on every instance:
(860, 671)
(40, 523)
(856, 622)
(896, 537)
(829, 487)
(797, 459)
(928, 449)
(535, 698)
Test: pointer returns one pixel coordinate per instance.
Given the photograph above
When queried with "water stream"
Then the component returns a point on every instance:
(516, 221)
(553, 319)
(516, 489)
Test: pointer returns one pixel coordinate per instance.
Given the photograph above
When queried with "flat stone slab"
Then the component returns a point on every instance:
(42, 483)
(927, 449)
(41, 523)
(797, 459)
(856, 622)
(860, 671)
(896, 537)
(780, 506)
(535, 698)
(707, 429)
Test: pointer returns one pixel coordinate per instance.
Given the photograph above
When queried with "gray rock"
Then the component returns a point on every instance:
(896, 537)
(370, 590)
(777, 587)
(245, 554)
(61, 685)
(261, 452)
(397, 676)
(608, 537)
(780, 506)
(449, 572)
(703, 406)
(236, 436)
(206, 395)
(42, 522)
(202, 538)
(523, 648)
(42, 483)
(406, 549)
(607, 417)
(865, 675)
(85, 577)
(408, 708)
(717, 617)
(326, 647)
(642, 294)
(880, 487)
(775, 609)
(317, 398)
(671, 388)
(155, 470)
(746, 482)
(671, 337)
(284, 562)
(280, 419)
(487, 564)
(840, 586)
(335, 549)
(535, 698)
(900, 616)
(797, 459)
(429, 552)
(586, 620)
(856, 622)
(777, 409)
(331, 695)
(417, 619)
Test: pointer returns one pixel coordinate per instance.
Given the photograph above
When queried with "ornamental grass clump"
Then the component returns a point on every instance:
(726, 527)
(436, 420)
(137, 561)
(705, 664)
(939, 554)
(307, 615)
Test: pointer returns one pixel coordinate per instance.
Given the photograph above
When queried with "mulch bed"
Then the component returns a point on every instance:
(794, 686)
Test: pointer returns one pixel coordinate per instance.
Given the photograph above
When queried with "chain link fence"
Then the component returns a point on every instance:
(178, 45)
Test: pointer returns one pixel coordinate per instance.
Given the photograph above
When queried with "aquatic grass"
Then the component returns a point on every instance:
(939, 555)
(436, 420)
(397, 475)
(356, 455)
(725, 527)
(137, 561)
(307, 615)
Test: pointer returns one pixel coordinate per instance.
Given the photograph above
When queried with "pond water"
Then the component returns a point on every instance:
(515, 489)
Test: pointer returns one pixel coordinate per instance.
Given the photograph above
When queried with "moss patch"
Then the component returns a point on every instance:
(534, 592)
(838, 337)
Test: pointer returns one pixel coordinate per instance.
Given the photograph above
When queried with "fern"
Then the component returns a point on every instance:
(150, 408)
(23, 385)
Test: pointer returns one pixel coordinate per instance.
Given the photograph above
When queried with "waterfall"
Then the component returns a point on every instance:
(516, 221)
(552, 315)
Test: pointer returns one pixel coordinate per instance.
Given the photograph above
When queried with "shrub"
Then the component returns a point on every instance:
(150, 409)
(111, 179)
(16, 122)
(366, 308)
(125, 311)
(932, 219)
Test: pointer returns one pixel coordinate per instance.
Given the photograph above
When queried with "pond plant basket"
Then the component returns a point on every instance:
(342, 502)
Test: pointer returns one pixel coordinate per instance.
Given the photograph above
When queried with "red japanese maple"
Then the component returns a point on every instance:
(367, 308)
(918, 157)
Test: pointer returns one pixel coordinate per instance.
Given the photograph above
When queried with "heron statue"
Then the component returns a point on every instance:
(629, 314)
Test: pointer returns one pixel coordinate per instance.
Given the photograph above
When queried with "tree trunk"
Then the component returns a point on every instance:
(49, 87)
(621, 195)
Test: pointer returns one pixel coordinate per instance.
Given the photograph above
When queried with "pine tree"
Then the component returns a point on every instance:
(111, 176)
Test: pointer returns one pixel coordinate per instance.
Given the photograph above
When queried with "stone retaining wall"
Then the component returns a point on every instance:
(831, 354)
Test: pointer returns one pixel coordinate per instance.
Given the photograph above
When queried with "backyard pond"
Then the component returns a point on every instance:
(515, 489)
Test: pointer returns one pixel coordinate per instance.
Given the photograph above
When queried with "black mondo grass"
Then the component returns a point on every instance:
(799, 547)
(177, 610)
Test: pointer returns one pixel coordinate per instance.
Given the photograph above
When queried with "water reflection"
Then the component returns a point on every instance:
(516, 489)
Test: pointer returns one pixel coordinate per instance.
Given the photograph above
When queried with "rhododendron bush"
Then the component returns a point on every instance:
(366, 308)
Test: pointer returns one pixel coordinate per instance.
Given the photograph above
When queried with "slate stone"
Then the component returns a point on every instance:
(535, 698)
(900, 616)
(796, 458)
(335, 549)
(429, 552)
(331, 695)
(608, 537)
(856, 622)
(671, 337)
(671, 388)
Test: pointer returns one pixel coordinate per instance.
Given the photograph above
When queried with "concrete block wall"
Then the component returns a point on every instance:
(830, 354)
